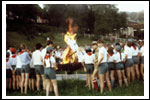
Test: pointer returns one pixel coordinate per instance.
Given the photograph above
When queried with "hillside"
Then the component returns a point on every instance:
(15, 39)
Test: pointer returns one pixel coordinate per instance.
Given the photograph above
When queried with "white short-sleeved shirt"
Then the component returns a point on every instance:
(117, 57)
(25, 58)
(8, 65)
(88, 59)
(31, 64)
(142, 50)
(80, 56)
(135, 51)
(52, 60)
(111, 58)
(19, 65)
(13, 60)
(57, 53)
(44, 52)
(114, 51)
(36, 57)
(128, 51)
(104, 51)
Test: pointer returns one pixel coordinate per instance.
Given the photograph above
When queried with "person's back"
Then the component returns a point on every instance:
(37, 57)
(25, 58)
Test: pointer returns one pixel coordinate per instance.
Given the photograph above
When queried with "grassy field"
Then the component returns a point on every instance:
(15, 39)
(77, 88)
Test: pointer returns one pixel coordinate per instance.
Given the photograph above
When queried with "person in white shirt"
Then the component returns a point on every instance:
(49, 43)
(111, 64)
(37, 58)
(103, 66)
(13, 62)
(8, 73)
(118, 58)
(95, 72)
(25, 70)
(141, 55)
(49, 71)
(18, 71)
(129, 61)
(135, 59)
(88, 63)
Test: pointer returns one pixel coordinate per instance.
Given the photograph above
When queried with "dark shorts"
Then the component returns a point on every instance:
(18, 71)
(39, 69)
(103, 68)
(32, 73)
(119, 66)
(49, 73)
(25, 69)
(89, 68)
(8, 73)
(13, 67)
(135, 59)
(129, 63)
(142, 60)
(111, 66)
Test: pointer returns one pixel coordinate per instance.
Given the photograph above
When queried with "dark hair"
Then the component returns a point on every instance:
(23, 46)
(129, 44)
(38, 45)
(88, 50)
(110, 50)
(120, 54)
(117, 43)
(100, 41)
(48, 42)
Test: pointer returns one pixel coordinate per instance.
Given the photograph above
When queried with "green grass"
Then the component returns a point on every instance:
(15, 39)
(77, 88)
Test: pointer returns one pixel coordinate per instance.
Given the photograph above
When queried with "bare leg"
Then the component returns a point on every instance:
(128, 74)
(137, 71)
(43, 82)
(26, 82)
(124, 77)
(133, 73)
(47, 87)
(14, 79)
(142, 70)
(119, 77)
(54, 82)
(38, 82)
(22, 82)
(108, 81)
(89, 81)
(112, 73)
(33, 82)
(101, 81)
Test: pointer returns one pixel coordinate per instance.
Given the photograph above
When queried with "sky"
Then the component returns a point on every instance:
(125, 7)
(130, 7)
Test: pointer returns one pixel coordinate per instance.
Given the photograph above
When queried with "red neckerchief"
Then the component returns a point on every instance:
(7, 59)
(110, 54)
(47, 56)
(134, 47)
(14, 56)
(89, 53)
(22, 52)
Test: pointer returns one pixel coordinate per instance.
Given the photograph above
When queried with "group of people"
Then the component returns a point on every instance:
(107, 61)
(100, 61)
